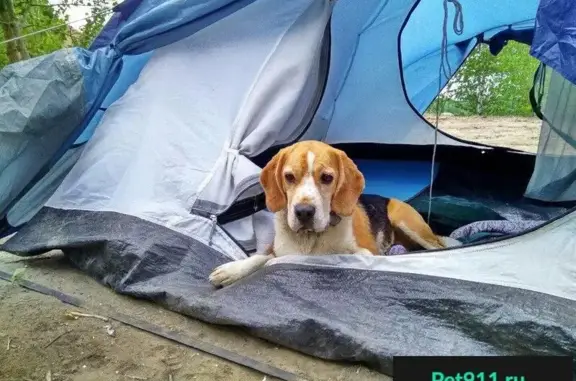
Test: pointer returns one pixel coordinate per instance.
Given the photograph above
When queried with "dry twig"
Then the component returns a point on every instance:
(75, 315)
(56, 338)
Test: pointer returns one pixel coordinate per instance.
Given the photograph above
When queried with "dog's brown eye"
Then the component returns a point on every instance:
(326, 178)
(289, 177)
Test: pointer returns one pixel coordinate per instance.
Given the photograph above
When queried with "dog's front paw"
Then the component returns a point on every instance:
(227, 273)
(362, 251)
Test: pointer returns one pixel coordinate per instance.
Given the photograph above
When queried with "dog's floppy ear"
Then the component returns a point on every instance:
(349, 188)
(271, 180)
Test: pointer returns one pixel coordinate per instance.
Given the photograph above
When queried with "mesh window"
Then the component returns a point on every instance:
(554, 176)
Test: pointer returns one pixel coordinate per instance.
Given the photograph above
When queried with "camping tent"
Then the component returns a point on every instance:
(140, 157)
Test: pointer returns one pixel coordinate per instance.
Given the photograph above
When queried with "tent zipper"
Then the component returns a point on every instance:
(214, 221)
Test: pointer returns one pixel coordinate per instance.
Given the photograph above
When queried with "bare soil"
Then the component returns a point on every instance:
(42, 338)
(511, 132)
(38, 341)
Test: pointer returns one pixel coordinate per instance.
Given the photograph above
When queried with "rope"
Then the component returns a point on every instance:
(446, 70)
(55, 27)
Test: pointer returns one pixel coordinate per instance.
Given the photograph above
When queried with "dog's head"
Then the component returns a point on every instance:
(310, 179)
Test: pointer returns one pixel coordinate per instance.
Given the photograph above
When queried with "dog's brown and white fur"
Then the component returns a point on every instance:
(315, 192)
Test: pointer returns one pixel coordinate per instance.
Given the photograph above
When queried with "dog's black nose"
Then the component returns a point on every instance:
(304, 212)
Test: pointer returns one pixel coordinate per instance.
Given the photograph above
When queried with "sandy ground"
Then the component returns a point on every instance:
(511, 132)
(38, 341)
(43, 339)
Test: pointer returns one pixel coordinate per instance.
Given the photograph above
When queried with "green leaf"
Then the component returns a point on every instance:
(17, 275)
(491, 86)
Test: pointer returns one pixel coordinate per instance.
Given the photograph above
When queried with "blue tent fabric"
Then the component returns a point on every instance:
(122, 12)
(420, 51)
(365, 75)
(131, 68)
(32, 92)
(49, 158)
(384, 55)
(63, 86)
(422, 83)
(156, 24)
(151, 24)
(396, 178)
(96, 68)
(33, 201)
(382, 61)
(555, 36)
(140, 26)
(499, 40)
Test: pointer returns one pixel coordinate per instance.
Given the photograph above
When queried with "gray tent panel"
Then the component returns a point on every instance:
(554, 177)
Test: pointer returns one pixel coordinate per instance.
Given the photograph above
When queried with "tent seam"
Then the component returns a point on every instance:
(260, 71)
(373, 18)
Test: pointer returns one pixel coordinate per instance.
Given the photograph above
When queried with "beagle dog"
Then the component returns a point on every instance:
(315, 192)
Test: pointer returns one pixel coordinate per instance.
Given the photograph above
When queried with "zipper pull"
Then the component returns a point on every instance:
(214, 220)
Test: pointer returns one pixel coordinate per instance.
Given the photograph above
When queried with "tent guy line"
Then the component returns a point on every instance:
(105, 12)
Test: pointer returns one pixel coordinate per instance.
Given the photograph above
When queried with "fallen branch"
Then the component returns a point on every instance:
(56, 338)
(75, 315)
(8, 344)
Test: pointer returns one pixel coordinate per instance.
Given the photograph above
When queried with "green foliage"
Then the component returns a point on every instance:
(97, 16)
(491, 86)
(18, 275)
(36, 15)
(449, 106)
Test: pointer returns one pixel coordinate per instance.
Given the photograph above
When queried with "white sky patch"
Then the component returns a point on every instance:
(79, 13)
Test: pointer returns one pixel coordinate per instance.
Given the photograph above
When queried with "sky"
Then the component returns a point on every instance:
(77, 13)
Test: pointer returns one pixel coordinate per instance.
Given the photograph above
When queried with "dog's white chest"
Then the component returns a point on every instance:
(335, 240)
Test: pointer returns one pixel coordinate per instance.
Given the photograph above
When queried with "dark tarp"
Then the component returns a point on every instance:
(555, 36)
(333, 313)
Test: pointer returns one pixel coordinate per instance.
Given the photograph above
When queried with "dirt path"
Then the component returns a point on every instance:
(42, 338)
(512, 132)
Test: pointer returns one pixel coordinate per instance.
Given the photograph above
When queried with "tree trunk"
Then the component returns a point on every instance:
(11, 48)
(21, 42)
(15, 24)
(16, 50)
